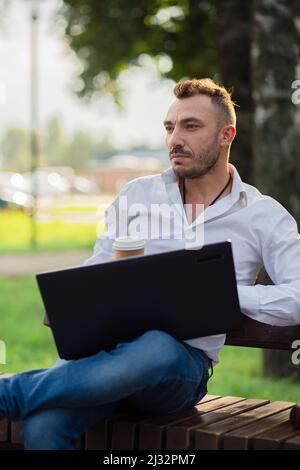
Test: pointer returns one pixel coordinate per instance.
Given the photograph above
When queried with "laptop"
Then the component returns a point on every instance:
(186, 293)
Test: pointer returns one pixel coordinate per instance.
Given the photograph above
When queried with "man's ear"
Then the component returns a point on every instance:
(227, 135)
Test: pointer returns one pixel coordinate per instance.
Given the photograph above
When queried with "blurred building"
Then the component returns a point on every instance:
(112, 174)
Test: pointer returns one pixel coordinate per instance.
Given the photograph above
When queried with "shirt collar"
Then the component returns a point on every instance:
(221, 206)
(238, 187)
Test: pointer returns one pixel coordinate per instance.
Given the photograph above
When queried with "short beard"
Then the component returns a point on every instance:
(203, 165)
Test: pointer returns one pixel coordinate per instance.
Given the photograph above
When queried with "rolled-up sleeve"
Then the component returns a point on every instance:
(103, 250)
(277, 304)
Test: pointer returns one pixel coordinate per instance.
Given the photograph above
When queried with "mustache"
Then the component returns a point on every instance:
(180, 150)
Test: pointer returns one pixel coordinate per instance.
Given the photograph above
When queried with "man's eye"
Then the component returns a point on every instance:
(191, 126)
(169, 129)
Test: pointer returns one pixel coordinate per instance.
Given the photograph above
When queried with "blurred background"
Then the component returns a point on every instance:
(84, 88)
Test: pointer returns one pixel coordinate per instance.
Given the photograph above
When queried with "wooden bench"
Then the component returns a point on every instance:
(215, 423)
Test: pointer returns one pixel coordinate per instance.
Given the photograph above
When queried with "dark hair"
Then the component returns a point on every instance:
(218, 94)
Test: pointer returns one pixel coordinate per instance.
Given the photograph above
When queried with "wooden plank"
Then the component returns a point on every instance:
(241, 438)
(208, 398)
(4, 430)
(151, 434)
(181, 437)
(260, 335)
(125, 433)
(16, 432)
(292, 443)
(100, 435)
(211, 437)
(96, 437)
(275, 438)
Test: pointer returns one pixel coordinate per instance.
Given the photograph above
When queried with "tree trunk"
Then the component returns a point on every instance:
(276, 162)
(234, 20)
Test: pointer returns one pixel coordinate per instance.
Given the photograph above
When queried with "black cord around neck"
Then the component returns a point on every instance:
(225, 187)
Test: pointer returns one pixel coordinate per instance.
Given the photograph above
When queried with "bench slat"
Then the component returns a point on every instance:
(99, 437)
(255, 334)
(181, 436)
(208, 398)
(4, 430)
(211, 437)
(16, 432)
(292, 444)
(96, 438)
(274, 439)
(152, 432)
(126, 432)
(241, 438)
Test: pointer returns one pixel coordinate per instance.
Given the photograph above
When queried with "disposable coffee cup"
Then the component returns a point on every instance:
(128, 246)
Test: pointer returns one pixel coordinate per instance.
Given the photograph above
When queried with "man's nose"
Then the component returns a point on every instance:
(176, 139)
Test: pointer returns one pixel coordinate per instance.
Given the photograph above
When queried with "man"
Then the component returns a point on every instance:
(155, 372)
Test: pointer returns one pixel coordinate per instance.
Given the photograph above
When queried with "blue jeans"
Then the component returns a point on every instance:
(155, 373)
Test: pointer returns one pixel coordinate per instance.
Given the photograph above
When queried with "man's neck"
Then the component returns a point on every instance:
(205, 189)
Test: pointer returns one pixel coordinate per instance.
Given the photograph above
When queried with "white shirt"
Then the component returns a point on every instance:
(261, 230)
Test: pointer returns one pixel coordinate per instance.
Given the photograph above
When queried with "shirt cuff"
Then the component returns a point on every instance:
(249, 302)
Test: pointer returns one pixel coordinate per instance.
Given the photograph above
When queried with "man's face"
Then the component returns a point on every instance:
(192, 125)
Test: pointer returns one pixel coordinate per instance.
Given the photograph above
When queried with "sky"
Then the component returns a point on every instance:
(145, 104)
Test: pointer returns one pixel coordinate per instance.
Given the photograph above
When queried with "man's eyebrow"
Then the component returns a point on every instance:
(192, 119)
(185, 121)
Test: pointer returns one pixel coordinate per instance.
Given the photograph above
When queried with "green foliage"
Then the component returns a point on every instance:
(15, 150)
(109, 36)
(54, 143)
(56, 148)
(81, 149)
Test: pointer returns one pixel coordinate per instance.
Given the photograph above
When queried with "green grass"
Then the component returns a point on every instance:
(239, 373)
(74, 209)
(30, 346)
(15, 233)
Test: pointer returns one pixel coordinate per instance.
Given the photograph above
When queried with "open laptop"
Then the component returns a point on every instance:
(187, 293)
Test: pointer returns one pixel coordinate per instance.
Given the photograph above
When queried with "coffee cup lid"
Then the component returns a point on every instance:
(128, 243)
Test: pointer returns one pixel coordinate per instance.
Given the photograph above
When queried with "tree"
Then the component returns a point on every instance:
(80, 150)
(109, 36)
(53, 143)
(276, 139)
(234, 27)
(15, 149)
(203, 38)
